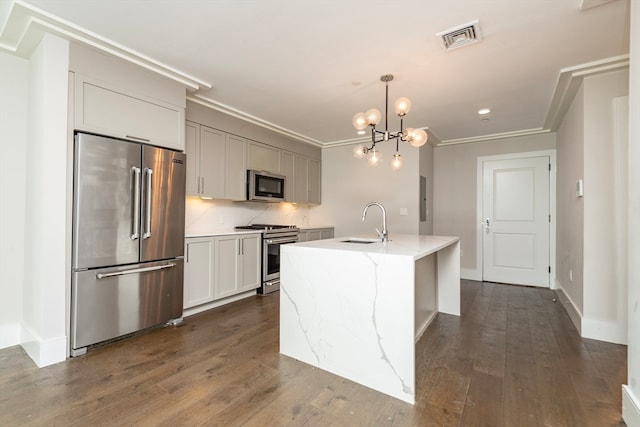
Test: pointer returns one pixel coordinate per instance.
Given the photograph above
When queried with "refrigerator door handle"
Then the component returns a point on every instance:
(134, 271)
(135, 220)
(147, 222)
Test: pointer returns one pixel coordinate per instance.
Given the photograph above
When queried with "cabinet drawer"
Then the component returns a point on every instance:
(108, 111)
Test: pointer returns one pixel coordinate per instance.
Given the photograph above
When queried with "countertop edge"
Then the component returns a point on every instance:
(220, 233)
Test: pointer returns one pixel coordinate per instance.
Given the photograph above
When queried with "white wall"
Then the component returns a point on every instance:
(13, 136)
(592, 228)
(631, 392)
(348, 184)
(455, 186)
(602, 318)
(46, 275)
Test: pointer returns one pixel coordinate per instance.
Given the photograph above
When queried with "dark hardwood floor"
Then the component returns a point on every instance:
(512, 359)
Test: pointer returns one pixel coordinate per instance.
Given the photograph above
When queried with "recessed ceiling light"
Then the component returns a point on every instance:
(484, 111)
(361, 132)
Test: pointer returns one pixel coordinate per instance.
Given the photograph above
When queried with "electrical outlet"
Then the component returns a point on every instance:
(404, 211)
(221, 219)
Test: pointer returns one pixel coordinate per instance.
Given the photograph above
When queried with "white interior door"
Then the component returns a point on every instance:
(516, 221)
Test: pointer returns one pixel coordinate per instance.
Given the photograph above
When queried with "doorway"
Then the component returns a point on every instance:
(515, 212)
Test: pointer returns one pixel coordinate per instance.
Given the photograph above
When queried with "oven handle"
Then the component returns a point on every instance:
(282, 240)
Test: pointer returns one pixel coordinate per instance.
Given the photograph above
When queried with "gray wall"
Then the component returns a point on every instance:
(426, 170)
(455, 186)
(348, 184)
(569, 208)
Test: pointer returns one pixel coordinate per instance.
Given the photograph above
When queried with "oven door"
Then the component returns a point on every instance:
(271, 261)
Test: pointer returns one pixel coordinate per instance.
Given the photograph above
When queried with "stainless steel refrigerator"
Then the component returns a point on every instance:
(128, 238)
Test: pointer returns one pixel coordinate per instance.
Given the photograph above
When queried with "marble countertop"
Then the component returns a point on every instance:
(414, 245)
(231, 231)
(314, 227)
(228, 232)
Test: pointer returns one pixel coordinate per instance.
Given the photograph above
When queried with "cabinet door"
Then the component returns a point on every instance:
(287, 169)
(191, 143)
(236, 162)
(114, 112)
(198, 271)
(263, 157)
(212, 164)
(313, 182)
(300, 178)
(226, 255)
(326, 233)
(314, 234)
(251, 275)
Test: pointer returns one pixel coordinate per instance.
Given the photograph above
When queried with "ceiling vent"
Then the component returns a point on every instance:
(461, 36)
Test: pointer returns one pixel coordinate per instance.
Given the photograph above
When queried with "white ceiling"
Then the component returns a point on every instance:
(308, 65)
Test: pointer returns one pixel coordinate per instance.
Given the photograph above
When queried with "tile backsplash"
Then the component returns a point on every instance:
(203, 216)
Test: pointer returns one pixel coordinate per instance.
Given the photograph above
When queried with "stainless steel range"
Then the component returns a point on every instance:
(273, 236)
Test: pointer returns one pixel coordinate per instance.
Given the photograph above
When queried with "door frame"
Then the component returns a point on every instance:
(479, 273)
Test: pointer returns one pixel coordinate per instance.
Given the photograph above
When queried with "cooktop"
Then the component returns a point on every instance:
(265, 227)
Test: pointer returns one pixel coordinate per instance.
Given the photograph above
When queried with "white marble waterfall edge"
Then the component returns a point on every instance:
(352, 314)
(351, 309)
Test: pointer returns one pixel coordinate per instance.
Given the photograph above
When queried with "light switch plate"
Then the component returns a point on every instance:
(579, 188)
(404, 211)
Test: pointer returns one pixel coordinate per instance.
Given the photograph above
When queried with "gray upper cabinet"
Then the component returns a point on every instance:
(287, 169)
(263, 157)
(306, 180)
(216, 163)
(109, 110)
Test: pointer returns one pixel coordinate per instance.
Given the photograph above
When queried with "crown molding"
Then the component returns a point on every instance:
(484, 138)
(432, 139)
(569, 82)
(226, 109)
(26, 24)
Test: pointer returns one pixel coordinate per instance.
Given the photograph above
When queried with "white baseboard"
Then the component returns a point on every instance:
(603, 331)
(569, 307)
(9, 335)
(609, 331)
(630, 407)
(208, 306)
(44, 352)
(470, 274)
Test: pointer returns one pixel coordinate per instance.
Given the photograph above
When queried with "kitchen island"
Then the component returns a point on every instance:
(356, 307)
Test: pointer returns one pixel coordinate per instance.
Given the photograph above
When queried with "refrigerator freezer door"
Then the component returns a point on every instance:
(111, 302)
(106, 216)
(163, 198)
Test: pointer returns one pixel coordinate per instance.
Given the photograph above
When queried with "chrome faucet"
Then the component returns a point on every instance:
(384, 235)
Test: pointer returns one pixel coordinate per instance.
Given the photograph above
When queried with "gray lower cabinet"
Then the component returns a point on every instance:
(217, 267)
(236, 264)
(309, 234)
(198, 271)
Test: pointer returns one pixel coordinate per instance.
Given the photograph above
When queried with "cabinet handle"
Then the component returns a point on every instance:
(148, 196)
(187, 254)
(202, 186)
(138, 138)
(135, 221)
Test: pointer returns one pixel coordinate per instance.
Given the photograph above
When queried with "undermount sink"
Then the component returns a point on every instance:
(360, 240)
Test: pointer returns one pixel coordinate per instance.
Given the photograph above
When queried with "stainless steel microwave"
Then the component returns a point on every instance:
(265, 186)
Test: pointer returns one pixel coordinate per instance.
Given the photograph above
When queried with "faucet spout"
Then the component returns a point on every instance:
(384, 235)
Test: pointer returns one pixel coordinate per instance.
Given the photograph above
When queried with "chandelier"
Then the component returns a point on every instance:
(415, 137)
